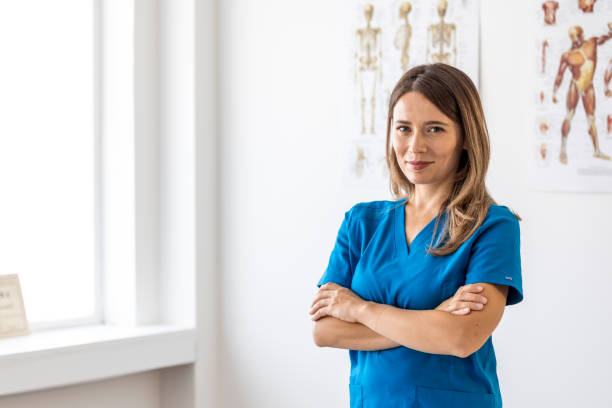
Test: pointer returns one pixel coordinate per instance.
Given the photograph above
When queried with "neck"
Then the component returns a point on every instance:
(428, 198)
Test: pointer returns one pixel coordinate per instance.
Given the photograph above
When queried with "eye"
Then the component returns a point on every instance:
(400, 128)
(437, 127)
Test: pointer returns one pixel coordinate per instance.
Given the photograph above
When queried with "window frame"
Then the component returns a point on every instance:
(151, 324)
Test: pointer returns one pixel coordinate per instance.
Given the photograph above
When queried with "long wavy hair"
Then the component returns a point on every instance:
(468, 202)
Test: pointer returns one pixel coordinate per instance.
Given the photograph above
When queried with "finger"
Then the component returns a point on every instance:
(315, 300)
(320, 295)
(463, 311)
(467, 296)
(462, 306)
(318, 305)
(473, 287)
(471, 305)
(320, 313)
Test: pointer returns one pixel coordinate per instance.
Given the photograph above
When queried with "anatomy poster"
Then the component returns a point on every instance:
(572, 99)
(384, 39)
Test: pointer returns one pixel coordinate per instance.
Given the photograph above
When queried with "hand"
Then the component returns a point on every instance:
(464, 300)
(337, 301)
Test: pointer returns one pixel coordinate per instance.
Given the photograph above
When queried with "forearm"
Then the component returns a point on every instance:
(329, 331)
(604, 38)
(428, 331)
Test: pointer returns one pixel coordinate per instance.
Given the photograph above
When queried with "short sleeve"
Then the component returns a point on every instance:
(343, 259)
(496, 257)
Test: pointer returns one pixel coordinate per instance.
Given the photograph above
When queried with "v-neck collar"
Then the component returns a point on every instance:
(401, 243)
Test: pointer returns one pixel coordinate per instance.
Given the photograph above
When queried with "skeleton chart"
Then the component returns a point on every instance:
(384, 39)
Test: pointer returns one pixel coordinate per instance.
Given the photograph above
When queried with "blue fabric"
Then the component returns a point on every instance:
(372, 258)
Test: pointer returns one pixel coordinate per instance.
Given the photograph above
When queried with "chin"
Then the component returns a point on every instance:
(418, 179)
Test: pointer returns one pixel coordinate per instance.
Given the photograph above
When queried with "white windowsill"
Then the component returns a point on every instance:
(54, 358)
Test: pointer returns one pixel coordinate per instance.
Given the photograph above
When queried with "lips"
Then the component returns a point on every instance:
(418, 165)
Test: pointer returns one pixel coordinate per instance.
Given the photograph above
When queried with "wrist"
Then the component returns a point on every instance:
(368, 314)
(362, 311)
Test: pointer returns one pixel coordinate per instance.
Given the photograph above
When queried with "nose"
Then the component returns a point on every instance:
(416, 143)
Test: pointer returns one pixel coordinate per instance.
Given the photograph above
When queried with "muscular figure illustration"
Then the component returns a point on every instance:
(404, 32)
(544, 45)
(367, 63)
(543, 150)
(550, 8)
(441, 35)
(581, 59)
(586, 5)
(607, 77)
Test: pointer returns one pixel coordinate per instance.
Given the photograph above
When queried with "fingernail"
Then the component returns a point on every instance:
(480, 288)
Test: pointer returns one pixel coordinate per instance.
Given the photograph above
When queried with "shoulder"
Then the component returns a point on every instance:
(499, 219)
(365, 218)
(497, 212)
(373, 210)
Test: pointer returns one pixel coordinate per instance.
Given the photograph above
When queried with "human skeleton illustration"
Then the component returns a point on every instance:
(404, 32)
(361, 161)
(368, 60)
(581, 59)
(440, 36)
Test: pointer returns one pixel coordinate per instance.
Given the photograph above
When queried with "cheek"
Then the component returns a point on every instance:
(443, 150)
(396, 144)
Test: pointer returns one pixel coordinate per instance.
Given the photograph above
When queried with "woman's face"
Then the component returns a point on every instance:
(421, 133)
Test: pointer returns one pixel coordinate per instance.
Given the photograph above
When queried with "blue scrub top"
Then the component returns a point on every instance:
(372, 258)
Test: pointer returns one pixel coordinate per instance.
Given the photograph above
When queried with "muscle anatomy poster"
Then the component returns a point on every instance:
(572, 99)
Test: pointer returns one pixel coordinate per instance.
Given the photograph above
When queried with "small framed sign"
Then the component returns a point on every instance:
(13, 321)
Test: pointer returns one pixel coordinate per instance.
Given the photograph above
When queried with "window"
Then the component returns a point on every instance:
(48, 158)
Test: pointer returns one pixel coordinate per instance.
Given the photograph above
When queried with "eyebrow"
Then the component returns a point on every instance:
(430, 122)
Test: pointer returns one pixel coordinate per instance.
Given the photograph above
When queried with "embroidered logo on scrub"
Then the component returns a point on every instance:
(508, 277)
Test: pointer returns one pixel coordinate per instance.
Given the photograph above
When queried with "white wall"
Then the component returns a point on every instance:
(554, 348)
(282, 201)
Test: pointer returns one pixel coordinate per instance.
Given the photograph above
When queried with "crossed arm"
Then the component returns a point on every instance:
(382, 327)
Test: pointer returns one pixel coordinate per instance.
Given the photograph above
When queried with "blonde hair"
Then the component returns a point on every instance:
(468, 202)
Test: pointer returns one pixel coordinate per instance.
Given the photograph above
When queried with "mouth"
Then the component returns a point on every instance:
(418, 165)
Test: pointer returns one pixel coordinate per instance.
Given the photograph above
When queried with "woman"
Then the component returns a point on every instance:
(383, 293)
